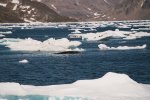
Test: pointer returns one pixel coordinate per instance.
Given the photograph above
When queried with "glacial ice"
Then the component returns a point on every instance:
(140, 29)
(111, 34)
(29, 44)
(1, 35)
(7, 32)
(136, 35)
(24, 61)
(111, 86)
(105, 47)
(76, 30)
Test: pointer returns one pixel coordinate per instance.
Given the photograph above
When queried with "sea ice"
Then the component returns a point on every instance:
(1, 35)
(111, 34)
(76, 30)
(24, 61)
(111, 86)
(29, 44)
(105, 47)
(7, 32)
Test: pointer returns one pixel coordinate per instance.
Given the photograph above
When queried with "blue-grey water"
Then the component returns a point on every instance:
(45, 68)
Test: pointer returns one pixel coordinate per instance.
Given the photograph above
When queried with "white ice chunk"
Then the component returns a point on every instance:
(111, 86)
(24, 61)
(75, 31)
(137, 35)
(1, 35)
(111, 34)
(105, 47)
(51, 44)
(7, 32)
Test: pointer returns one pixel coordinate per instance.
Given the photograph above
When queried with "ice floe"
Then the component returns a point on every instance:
(111, 86)
(76, 30)
(135, 35)
(140, 29)
(105, 47)
(51, 44)
(1, 35)
(7, 32)
(111, 34)
(24, 61)
(75, 36)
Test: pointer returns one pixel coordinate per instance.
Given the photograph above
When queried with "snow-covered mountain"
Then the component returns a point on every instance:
(101, 9)
(81, 10)
(28, 11)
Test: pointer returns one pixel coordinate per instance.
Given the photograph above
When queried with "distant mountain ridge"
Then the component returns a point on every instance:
(92, 10)
(74, 10)
(28, 11)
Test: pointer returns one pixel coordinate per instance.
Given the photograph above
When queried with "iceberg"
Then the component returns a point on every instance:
(112, 86)
(105, 47)
(29, 44)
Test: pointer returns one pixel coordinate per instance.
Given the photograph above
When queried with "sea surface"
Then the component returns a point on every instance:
(46, 68)
(42, 68)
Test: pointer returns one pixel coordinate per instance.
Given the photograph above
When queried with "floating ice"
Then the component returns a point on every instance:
(75, 36)
(136, 35)
(7, 32)
(141, 29)
(101, 35)
(111, 34)
(51, 44)
(24, 61)
(76, 30)
(1, 35)
(105, 47)
(111, 86)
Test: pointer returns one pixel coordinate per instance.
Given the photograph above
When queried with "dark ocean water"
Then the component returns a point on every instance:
(45, 68)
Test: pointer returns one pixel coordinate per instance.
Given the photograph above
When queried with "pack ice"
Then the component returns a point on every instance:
(51, 44)
(111, 86)
(127, 35)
